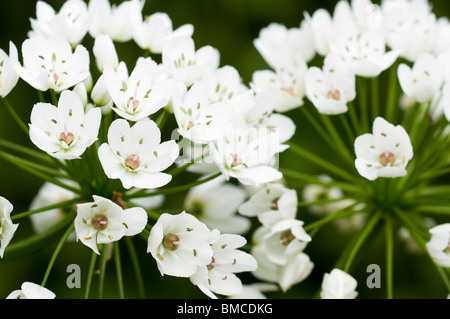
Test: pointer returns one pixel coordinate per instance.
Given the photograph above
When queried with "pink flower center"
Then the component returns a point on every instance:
(67, 137)
(334, 94)
(100, 222)
(387, 158)
(133, 161)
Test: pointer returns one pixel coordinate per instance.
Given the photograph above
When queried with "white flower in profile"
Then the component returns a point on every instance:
(152, 32)
(322, 28)
(103, 221)
(199, 120)
(338, 285)
(439, 245)
(50, 63)
(7, 228)
(65, 131)
(385, 153)
(31, 290)
(215, 203)
(247, 156)
(285, 239)
(219, 276)
(423, 80)
(50, 194)
(183, 63)
(113, 20)
(297, 269)
(142, 94)
(136, 156)
(179, 243)
(105, 52)
(272, 203)
(8, 74)
(267, 271)
(331, 88)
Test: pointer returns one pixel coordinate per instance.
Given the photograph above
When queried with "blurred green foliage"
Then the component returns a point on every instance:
(230, 26)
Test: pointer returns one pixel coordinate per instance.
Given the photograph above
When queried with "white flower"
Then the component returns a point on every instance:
(183, 63)
(152, 32)
(198, 120)
(179, 244)
(272, 203)
(284, 240)
(322, 29)
(215, 203)
(317, 192)
(7, 228)
(439, 245)
(219, 275)
(103, 222)
(31, 290)
(135, 154)
(247, 156)
(105, 52)
(333, 87)
(49, 63)
(8, 74)
(65, 131)
(385, 153)
(338, 285)
(297, 269)
(113, 20)
(49, 194)
(423, 80)
(142, 94)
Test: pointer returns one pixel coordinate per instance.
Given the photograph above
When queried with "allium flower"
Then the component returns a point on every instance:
(385, 153)
(200, 121)
(7, 228)
(219, 275)
(179, 244)
(285, 239)
(71, 21)
(135, 155)
(50, 63)
(215, 203)
(142, 94)
(439, 245)
(338, 285)
(8, 74)
(105, 52)
(423, 80)
(65, 131)
(297, 269)
(152, 32)
(272, 203)
(31, 290)
(333, 87)
(103, 222)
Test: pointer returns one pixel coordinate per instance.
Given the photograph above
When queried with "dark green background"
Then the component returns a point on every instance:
(230, 26)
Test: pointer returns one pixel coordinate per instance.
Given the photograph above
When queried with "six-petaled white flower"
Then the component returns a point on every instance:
(385, 153)
(338, 285)
(439, 245)
(136, 156)
(7, 228)
(103, 221)
(8, 74)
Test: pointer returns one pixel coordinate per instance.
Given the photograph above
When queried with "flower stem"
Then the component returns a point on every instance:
(389, 257)
(118, 265)
(16, 117)
(342, 213)
(56, 253)
(363, 105)
(136, 267)
(103, 261)
(49, 207)
(90, 274)
(392, 98)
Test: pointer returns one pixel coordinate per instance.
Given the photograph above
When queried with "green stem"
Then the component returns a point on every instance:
(136, 267)
(56, 253)
(16, 117)
(118, 265)
(90, 274)
(389, 257)
(354, 118)
(26, 151)
(336, 137)
(363, 105)
(49, 207)
(342, 213)
(375, 97)
(54, 97)
(392, 99)
(365, 232)
(103, 261)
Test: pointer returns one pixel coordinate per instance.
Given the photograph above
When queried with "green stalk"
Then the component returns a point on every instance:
(365, 232)
(392, 99)
(389, 257)
(49, 207)
(136, 267)
(354, 118)
(363, 105)
(375, 97)
(342, 213)
(16, 117)
(103, 261)
(56, 253)
(118, 265)
(26, 151)
(336, 137)
(90, 274)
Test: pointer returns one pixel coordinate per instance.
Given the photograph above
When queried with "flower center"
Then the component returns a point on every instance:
(236, 161)
(286, 237)
(334, 94)
(67, 137)
(100, 222)
(190, 125)
(274, 204)
(211, 265)
(447, 249)
(387, 158)
(133, 161)
(171, 242)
